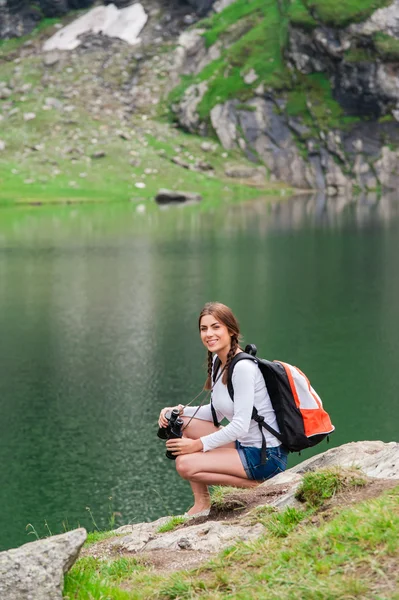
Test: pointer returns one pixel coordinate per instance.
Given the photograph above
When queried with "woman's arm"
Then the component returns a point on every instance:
(204, 412)
(244, 376)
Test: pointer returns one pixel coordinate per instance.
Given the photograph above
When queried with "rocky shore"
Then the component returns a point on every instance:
(362, 471)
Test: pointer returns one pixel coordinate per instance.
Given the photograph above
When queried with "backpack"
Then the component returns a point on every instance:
(302, 421)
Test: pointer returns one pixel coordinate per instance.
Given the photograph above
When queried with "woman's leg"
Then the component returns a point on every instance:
(195, 429)
(221, 466)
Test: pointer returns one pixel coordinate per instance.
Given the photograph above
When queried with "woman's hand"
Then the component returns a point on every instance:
(162, 421)
(181, 446)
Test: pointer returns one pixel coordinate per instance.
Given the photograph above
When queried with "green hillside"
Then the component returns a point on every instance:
(254, 34)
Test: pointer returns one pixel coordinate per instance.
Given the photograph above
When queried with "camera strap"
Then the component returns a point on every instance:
(207, 395)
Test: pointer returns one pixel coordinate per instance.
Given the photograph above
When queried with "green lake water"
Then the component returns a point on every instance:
(98, 326)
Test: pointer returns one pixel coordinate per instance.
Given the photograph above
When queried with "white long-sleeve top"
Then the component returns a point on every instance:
(249, 391)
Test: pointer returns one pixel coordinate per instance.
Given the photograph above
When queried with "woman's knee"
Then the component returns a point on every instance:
(184, 466)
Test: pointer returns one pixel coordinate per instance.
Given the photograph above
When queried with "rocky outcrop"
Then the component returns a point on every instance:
(205, 537)
(377, 460)
(359, 63)
(36, 570)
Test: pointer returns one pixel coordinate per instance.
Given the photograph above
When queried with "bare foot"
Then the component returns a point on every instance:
(198, 508)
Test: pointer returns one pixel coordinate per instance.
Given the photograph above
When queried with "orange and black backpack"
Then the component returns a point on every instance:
(300, 415)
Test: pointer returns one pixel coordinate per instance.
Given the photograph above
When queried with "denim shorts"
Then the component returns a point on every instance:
(276, 461)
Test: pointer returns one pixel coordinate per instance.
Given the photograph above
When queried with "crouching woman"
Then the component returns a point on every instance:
(211, 455)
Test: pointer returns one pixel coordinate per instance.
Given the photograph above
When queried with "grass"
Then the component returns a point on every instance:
(322, 485)
(340, 13)
(172, 524)
(95, 578)
(348, 553)
(386, 46)
(353, 555)
(259, 48)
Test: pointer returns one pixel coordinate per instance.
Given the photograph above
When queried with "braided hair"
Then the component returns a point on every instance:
(225, 315)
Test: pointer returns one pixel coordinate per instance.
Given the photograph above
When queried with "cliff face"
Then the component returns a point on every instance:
(313, 94)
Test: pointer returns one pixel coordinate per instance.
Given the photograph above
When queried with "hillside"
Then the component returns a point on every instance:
(308, 88)
(304, 91)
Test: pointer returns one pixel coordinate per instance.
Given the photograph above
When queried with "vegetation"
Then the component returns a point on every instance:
(260, 49)
(340, 13)
(172, 524)
(324, 484)
(352, 553)
(387, 46)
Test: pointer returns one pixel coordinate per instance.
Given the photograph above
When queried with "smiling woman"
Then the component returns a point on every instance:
(209, 454)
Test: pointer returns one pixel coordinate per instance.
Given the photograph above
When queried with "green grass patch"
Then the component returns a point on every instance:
(221, 22)
(340, 13)
(98, 536)
(387, 46)
(172, 524)
(300, 16)
(95, 579)
(319, 486)
(219, 495)
(360, 54)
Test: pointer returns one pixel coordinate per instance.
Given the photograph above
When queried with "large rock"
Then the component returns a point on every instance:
(375, 458)
(165, 196)
(187, 109)
(206, 537)
(36, 570)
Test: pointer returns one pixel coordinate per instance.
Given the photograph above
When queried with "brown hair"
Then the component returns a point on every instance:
(225, 315)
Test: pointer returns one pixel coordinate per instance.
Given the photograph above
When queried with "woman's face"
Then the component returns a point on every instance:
(214, 335)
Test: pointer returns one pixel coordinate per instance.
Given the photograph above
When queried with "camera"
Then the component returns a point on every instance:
(173, 430)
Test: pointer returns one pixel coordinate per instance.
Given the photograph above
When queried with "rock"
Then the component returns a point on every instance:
(212, 536)
(387, 168)
(141, 209)
(241, 172)
(53, 103)
(51, 58)
(2, 145)
(35, 571)
(29, 116)
(224, 122)
(98, 154)
(187, 109)
(208, 147)
(5, 93)
(250, 77)
(125, 24)
(221, 5)
(192, 55)
(140, 185)
(177, 160)
(165, 196)
(376, 459)
(201, 165)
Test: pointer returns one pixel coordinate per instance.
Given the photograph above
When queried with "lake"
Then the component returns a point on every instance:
(98, 325)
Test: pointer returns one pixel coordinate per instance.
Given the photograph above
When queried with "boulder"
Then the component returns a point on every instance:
(375, 458)
(36, 570)
(175, 197)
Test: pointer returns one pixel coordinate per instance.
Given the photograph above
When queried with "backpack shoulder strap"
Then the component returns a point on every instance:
(236, 359)
(258, 418)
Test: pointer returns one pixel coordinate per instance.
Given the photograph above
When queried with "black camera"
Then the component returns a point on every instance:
(173, 430)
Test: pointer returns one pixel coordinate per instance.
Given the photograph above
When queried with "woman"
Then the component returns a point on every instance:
(210, 455)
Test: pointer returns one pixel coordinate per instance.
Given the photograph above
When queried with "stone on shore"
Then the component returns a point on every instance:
(176, 197)
(36, 570)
